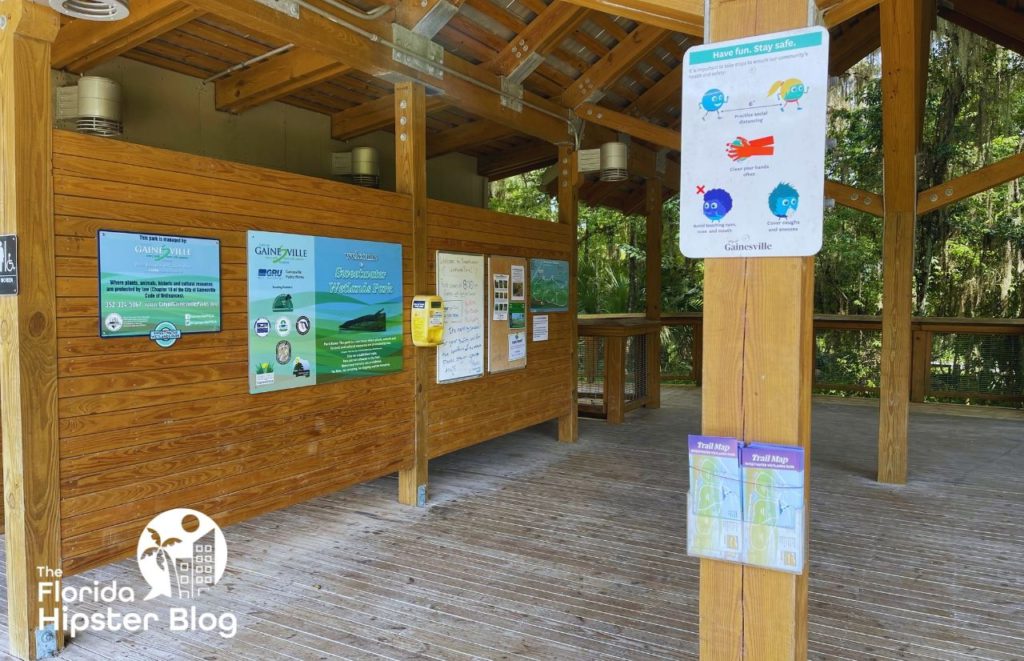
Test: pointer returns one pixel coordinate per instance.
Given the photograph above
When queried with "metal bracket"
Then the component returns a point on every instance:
(286, 7)
(421, 496)
(46, 642)
(416, 51)
(525, 67)
(511, 94)
(661, 161)
(436, 18)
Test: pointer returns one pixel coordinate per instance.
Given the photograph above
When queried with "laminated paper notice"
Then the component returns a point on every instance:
(540, 328)
(518, 282)
(516, 346)
(714, 527)
(500, 297)
(773, 506)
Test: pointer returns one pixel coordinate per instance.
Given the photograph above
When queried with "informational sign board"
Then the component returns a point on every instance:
(8, 265)
(155, 282)
(507, 318)
(549, 285)
(461, 282)
(753, 146)
(322, 310)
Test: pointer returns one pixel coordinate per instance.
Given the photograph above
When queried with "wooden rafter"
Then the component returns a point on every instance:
(276, 78)
(685, 16)
(855, 198)
(855, 43)
(373, 116)
(612, 66)
(526, 51)
(844, 10)
(620, 59)
(81, 44)
(465, 136)
(525, 159)
(469, 84)
(638, 128)
(994, 22)
(976, 182)
(667, 89)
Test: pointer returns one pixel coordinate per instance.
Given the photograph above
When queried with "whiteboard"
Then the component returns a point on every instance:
(460, 282)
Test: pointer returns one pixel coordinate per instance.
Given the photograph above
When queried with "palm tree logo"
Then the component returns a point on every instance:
(163, 558)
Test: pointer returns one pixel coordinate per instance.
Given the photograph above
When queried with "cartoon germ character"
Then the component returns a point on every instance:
(783, 200)
(717, 203)
(713, 101)
(788, 91)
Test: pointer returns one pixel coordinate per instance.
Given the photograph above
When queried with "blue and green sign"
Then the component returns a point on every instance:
(322, 310)
(157, 283)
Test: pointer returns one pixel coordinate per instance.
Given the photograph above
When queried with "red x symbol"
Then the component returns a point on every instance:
(700, 190)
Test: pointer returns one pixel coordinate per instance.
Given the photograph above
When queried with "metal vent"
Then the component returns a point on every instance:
(614, 159)
(92, 106)
(361, 167)
(92, 10)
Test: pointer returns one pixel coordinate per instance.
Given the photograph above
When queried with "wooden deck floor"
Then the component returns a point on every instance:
(532, 549)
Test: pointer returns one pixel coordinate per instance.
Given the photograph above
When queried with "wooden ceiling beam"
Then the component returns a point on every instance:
(855, 198)
(525, 159)
(993, 34)
(998, 18)
(528, 49)
(276, 78)
(81, 44)
(668, 88)
(464, 83)
(592, 83)
(638, 128)
(685, 16)
(855, 43)
(465, 136)
(844, 10)
(976, 182)
(375, 115)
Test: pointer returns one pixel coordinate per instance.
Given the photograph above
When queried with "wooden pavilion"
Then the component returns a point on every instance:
(100, 435)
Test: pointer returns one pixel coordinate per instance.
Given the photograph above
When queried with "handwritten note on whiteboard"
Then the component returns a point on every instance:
(461, 283)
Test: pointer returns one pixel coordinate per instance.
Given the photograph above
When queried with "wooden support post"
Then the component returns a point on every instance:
(568, 213)
(757, 386)
(28, 332)
(614, 378)
(652, 207)
(902, 65)
(921, 365)
(411, 179)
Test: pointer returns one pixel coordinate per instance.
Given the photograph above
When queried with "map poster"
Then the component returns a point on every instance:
(549, 285)
(322, 310)
(773, 508)
(149, 280)
(753, 159)
(714, 526)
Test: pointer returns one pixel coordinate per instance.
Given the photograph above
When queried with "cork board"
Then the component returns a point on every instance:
(508, 302)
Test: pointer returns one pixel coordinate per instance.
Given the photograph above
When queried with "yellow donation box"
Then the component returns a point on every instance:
(427, 321)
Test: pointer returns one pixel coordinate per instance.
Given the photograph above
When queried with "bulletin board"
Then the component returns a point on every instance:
(461, 282)
(508, 301)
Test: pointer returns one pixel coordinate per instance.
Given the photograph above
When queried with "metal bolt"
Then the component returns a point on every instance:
(403, 104)
(403, 137)
(934, 197)
(3, 22)
(854, 197)
(522, 41)
(403, 120)
(949, 192)
(518, 55)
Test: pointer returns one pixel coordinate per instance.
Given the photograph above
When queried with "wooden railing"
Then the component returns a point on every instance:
(618, 370)
(971, 360)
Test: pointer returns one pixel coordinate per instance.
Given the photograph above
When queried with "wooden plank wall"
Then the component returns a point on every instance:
(144, 429)
(468, 412)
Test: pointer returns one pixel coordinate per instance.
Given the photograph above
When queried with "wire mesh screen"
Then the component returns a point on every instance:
(847, 361)
(636, 368)
(590, 370)
(973, 366)
(677, 358)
